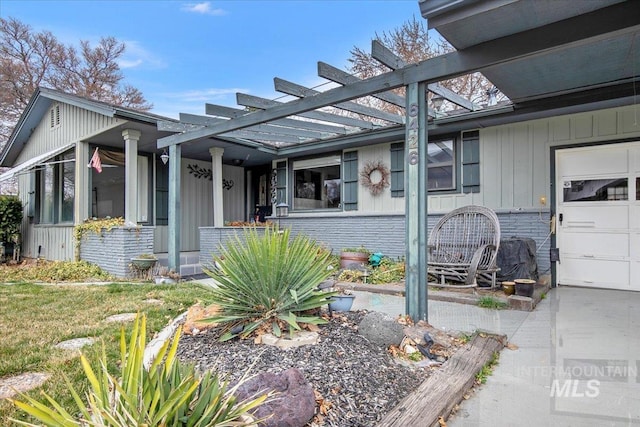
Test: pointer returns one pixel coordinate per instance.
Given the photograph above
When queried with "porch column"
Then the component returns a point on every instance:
(216, 176)
(416, 202)
(131, 138)
(82, 202)
(175, 151)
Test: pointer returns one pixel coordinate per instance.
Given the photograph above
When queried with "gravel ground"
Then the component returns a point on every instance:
(359, 381)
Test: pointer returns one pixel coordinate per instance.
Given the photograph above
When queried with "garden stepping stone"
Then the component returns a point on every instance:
(122, 317)
(10, 386)
(75, 344)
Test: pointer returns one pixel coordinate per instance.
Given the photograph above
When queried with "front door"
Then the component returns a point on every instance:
(597, 221)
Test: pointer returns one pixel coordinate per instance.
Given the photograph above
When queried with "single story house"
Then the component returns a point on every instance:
(559, 163)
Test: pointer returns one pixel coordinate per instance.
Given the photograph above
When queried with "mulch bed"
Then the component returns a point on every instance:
(356, 382)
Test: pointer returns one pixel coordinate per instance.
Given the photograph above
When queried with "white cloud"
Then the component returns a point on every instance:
(203, 8)
(205, 95)
(170, 104)
(136, 56)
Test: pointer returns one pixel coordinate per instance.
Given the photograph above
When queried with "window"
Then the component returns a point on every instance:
(590, 190)
(55, 189)
(441, 166)
(317, 183)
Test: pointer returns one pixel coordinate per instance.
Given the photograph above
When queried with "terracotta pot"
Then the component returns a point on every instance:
(349, 258)
(525, 287)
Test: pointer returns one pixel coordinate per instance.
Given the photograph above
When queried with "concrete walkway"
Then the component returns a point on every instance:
(577, 362)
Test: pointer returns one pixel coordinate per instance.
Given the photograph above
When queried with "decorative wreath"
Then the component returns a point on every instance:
(375, 188)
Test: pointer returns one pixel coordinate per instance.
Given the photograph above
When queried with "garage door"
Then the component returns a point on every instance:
(598, 209)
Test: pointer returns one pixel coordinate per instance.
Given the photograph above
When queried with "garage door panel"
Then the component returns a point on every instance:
(598, 196)
(585, 272)
(611, 216)
(594, 162)
(598, 245)
(634, 247)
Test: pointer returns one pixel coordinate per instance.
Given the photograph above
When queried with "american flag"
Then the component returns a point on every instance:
(95, 162)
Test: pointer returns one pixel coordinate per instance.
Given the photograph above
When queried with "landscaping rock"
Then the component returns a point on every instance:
(123, 317)
(11, 386)
(299, 339)
(75, 344)
(381, 329)
(293, 405)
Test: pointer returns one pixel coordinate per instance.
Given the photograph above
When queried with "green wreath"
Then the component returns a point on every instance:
(378, 187)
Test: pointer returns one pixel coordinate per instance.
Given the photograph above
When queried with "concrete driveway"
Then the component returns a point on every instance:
(577, 361)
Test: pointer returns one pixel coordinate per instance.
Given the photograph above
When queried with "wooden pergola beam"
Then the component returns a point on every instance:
(384, 55)
(507, 49)
(300, 91)
(336, 75)
(233, 113)
(268, 105)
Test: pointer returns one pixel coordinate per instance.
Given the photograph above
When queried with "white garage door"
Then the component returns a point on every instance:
(598, 224)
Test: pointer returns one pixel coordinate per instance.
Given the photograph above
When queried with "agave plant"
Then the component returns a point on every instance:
(169, 393)
(269, 282)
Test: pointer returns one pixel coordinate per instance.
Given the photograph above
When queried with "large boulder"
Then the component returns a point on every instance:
(381, 328)
(294, 403)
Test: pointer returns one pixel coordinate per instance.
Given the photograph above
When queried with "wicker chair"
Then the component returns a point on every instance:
(463, 247)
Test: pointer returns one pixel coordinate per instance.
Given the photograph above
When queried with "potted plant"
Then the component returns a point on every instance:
(342, 301)
(358, 256)
(144, 262)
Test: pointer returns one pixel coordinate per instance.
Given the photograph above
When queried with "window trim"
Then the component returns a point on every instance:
(302, 163)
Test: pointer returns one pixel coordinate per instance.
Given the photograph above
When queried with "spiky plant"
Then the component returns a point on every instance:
(269, 282)
(169, 393)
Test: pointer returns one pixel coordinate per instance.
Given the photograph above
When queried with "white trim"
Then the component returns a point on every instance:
(319, 162)
(35, 161)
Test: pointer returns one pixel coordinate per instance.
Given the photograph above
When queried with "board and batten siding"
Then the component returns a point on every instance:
(56, 241)
(515, 159)
(383, 202)
(196, 204)
(75, 125)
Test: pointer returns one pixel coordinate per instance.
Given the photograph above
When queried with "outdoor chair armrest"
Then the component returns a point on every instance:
(473, 267)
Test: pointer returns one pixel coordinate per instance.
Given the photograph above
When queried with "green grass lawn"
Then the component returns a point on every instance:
(33, 318)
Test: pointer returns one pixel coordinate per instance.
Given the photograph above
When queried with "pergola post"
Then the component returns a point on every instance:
(416, 202)
(131, 137)
(216, 178)
(175, 152)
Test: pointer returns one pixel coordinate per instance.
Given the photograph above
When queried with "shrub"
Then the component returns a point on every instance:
(10, 217)
(269, 283)
(54, 271)
(168, 394)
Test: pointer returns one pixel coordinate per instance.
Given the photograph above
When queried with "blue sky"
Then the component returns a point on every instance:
(183, 54)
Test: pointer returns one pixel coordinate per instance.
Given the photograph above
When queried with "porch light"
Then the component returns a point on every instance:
(164, 157)
(437, 101)
(282, 210)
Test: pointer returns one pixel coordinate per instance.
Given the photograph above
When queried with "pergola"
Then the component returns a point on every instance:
(546, 56)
